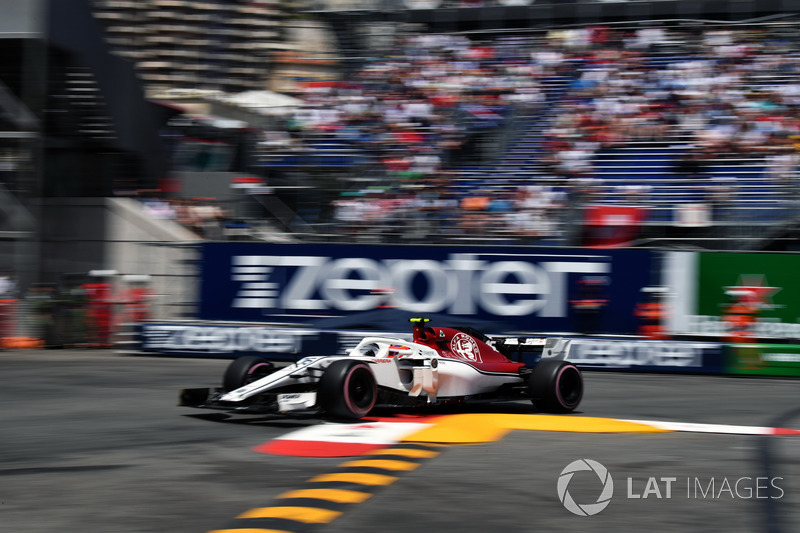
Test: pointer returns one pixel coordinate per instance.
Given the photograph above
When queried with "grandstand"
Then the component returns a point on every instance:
(633, 156)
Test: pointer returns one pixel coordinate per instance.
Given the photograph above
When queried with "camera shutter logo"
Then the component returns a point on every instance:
(587, 509)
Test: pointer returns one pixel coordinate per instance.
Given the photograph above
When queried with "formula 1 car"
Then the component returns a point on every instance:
(439, 365)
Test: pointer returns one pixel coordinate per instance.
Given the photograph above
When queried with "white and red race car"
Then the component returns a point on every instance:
(439, 365)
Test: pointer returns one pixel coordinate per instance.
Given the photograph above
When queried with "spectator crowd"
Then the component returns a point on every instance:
(418, 113)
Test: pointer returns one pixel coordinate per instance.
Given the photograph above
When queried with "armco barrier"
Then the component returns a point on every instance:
(648, 355)
(763, 359)
(231, 341)
(286, 344)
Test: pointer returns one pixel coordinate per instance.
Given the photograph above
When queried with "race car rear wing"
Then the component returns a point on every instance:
(530, 349)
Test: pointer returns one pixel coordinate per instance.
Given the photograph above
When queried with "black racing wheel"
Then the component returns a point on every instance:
(246, 370)
(555, 386)
(347, 389)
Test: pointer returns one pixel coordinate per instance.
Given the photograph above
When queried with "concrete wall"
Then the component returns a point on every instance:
(162, 249)
(116, 234)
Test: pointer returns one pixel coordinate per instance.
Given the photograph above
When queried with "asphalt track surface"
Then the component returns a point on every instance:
(93, 441)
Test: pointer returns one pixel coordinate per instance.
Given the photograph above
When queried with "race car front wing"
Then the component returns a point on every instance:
(209, 398)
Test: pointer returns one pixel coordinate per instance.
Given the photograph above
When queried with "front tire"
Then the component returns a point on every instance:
(555, 386)
(246, 370)
(347, 390)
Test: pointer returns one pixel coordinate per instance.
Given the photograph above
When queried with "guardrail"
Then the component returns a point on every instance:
(628, 354)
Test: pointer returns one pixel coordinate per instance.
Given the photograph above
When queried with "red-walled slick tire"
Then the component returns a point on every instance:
(246, 370)
(347, 390)
(555, 386)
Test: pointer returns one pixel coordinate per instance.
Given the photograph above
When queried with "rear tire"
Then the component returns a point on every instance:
(347, 390)
(246, 370)
(555, 386)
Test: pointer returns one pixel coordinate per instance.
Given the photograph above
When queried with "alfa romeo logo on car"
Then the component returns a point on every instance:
(587, 509)
(465, 347)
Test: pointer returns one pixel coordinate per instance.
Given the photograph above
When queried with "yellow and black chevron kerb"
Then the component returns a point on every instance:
(326, 497)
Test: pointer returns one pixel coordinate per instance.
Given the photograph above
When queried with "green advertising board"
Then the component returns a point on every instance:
(763, 359)
(773, 278)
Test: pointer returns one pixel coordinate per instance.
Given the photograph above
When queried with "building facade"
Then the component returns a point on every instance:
(216, 45)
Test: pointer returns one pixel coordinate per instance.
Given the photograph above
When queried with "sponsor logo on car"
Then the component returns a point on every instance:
(465, 347)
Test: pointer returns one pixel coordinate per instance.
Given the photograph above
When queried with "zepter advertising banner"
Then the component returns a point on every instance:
(380, 287)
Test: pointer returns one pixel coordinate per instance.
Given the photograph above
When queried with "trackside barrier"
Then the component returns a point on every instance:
(624, 354)
(8, 320)
(230, 341)
(648, 355)
(11, 334)
(763, 359)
